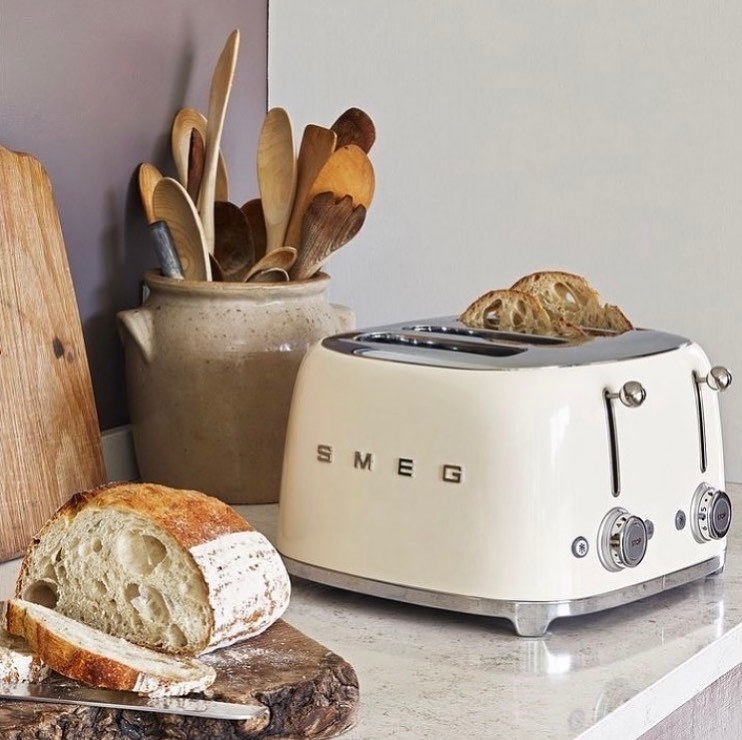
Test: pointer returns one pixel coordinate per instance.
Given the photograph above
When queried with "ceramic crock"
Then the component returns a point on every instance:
(210, 370)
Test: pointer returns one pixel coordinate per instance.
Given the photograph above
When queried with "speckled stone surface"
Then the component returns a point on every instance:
(426, 673)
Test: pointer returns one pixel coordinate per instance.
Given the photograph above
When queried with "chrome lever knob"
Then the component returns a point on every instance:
(632, 394)
(718, 378)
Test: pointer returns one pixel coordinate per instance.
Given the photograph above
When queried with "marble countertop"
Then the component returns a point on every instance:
(426, 673)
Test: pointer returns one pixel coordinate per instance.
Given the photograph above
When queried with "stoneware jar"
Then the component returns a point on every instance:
(210, 369)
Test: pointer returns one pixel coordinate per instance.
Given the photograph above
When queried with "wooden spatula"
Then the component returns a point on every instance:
(317, 145)
(329, 223)
(233, 247)
(347, 172)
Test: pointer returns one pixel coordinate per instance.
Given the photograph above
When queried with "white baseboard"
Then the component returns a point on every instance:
(118, 454)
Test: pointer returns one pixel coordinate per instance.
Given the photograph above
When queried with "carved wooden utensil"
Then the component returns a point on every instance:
(186, 119)
(276, 175)
(282, 258)
(253, 211)
(317, 145)
(329, 223)
(196, 154)
(354, 126)
(233, 247)
(347, 172)
(148, 176)
(221, 86)
(173, 204)
(271, 275)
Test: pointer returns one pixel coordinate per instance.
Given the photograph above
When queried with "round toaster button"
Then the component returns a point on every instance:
(680, 520)
(580, 547)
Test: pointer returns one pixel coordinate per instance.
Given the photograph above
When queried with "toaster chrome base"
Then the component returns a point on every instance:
(530, 618)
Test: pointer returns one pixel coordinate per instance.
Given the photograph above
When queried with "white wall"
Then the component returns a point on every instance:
(598, 137)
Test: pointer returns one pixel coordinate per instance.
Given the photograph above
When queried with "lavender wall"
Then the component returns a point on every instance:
(90, 88)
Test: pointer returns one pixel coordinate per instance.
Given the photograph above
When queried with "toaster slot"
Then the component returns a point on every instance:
(447, 344)
(486, 335)
(718, 379)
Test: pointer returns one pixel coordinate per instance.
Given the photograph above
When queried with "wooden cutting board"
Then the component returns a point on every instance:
(310, 692)
(50, 444)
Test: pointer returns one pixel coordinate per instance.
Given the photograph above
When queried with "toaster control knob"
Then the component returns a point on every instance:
(712, 514)
(623, 540)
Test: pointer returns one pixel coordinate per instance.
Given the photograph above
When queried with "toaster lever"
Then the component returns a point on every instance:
(717, 379)
(632, 395)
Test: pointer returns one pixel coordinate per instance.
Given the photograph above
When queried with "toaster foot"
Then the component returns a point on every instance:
(529, 618)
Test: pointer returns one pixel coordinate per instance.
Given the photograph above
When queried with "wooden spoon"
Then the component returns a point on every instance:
(330, 222)
(276, 175)
(253, 211)
(148, 176)
(233, 247)
(354, 126)
(195, 164)
(221, 86)
(186, 119)
(172, 204)
(317, 145)
(283, 258)
(347, 172)
(271, 275)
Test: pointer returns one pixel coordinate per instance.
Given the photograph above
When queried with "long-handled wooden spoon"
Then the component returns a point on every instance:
(276, 175)
(317, 145)
(329, 223)
(148, 176)
(186, 119)
(355, 126)
(221, 86)
(172, 204)
(283, 258)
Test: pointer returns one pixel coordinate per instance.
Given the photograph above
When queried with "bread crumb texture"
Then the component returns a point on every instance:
(172, 570)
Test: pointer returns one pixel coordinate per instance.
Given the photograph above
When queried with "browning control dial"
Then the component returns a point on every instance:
(711, 513)
(622, 540)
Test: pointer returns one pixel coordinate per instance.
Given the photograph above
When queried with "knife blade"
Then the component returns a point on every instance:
(109, 699)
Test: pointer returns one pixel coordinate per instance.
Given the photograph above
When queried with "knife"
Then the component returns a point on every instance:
(128, 700)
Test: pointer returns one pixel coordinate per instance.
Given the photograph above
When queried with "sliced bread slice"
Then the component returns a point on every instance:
(18, 663)
(570, 297)
(93, 657)
(173, 570)
(518, 311)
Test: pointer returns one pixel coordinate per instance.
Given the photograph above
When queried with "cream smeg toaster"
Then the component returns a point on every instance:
(502, 474)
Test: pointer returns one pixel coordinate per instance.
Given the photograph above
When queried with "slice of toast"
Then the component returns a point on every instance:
(518, 311)
(96, 658)
(570, 297)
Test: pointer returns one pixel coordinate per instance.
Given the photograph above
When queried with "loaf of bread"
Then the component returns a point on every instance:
(172, 570)
(18, 662)
(93, 657)
(551, 303)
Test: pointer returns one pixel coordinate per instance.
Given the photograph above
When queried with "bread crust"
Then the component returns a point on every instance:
(69, 658)
(208, 531)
